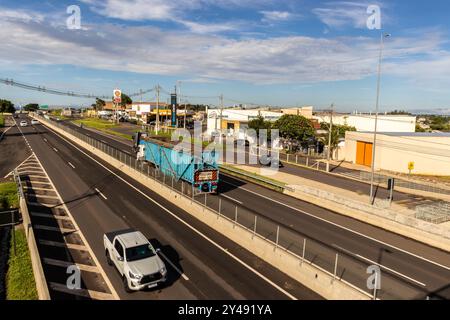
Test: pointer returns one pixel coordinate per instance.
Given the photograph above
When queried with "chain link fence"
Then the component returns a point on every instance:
(335, 261)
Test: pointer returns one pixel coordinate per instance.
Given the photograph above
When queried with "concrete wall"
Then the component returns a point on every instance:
(386, 123)
(306, 112)
(430, 153)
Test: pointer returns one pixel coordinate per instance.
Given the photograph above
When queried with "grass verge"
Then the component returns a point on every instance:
(20, 284)
(8, 196)
(2, 121)
(255, 178)
(102, 125)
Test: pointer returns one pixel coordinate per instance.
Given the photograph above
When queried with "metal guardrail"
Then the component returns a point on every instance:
(10, 218)
(308, 250)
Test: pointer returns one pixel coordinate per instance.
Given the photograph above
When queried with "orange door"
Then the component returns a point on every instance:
(360, 152)
(368, 155)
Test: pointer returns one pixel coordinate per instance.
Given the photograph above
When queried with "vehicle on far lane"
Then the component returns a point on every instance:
(135, 258)
(34, 122)
(23, 123)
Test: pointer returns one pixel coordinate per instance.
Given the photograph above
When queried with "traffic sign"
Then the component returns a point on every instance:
(117, 96)
(411, 166)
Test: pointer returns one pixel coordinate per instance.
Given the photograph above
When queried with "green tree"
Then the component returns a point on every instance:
(294, 127)
(31, 107)
(337, 133)
(400, 112)
(99, 104)
(125, 100)
(419, 128)
(259, 123)
(7, 106)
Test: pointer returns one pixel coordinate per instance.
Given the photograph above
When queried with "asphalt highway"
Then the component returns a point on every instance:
(202, 263)
(411, 270)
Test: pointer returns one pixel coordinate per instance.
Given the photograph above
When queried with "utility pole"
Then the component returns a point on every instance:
(221, 112)
(330, 135)
(372, 178)
(157, 109)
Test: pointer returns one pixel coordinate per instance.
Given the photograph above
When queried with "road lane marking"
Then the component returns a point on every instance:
(232, 199)
(101, 194)
(380, 265)
(70, 164)
(182, 221)
(96, 295)
(72, 246)
(101, 271)
(56, 150)
(65, 264)
(49, 216)
(173, 266)
(54, 229)
(342, 227)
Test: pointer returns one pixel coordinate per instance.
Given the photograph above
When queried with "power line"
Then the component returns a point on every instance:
(22, 85)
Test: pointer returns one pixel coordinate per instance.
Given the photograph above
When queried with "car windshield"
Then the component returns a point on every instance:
(139, 252)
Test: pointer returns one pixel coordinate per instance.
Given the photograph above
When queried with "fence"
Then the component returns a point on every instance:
(338, 263)
(317, 163)
(435, 213)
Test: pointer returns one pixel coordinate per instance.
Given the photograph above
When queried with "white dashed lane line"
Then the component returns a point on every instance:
(101, 194)
(70, 164)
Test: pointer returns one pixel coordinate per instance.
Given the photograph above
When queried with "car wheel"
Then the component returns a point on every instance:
(108, 259)
(125, 285)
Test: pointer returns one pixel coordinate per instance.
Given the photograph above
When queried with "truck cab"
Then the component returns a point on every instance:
(135, 258)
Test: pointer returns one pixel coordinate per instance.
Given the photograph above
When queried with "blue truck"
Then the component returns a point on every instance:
(202, 171)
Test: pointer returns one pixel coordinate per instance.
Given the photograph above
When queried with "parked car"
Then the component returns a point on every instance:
(34, 122)
(23, 123)
(135, 258)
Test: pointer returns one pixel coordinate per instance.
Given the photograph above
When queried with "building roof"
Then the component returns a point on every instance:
(414, 134)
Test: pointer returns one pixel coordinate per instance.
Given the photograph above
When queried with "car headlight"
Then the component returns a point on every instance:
(135, 276)
(163, 270)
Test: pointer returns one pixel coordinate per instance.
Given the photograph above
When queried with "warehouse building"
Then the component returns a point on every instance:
(416, 153)
(366, 122)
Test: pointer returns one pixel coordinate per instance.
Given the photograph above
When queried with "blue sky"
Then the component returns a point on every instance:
(270, 52)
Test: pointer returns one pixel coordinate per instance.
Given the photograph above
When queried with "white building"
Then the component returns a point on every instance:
(422, 153)
(366, 122)
(230, 121)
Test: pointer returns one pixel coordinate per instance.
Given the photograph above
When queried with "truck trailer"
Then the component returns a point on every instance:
(201, 171)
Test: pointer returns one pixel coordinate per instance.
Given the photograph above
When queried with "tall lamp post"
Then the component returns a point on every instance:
(383, 36)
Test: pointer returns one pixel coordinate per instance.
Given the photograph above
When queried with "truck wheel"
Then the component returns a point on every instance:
(125, 285)
(108, 259)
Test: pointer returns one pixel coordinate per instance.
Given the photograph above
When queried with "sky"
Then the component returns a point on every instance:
(269, 52)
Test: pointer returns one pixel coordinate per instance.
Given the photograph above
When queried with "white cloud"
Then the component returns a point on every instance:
(276, 15)
(344, 13)
(290, 59)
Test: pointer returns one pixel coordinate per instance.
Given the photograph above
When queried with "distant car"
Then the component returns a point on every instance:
(23, 123)
(34, 122)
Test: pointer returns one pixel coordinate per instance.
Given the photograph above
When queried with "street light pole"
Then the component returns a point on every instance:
(383, 36)
(330, 135)
(157, 109)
